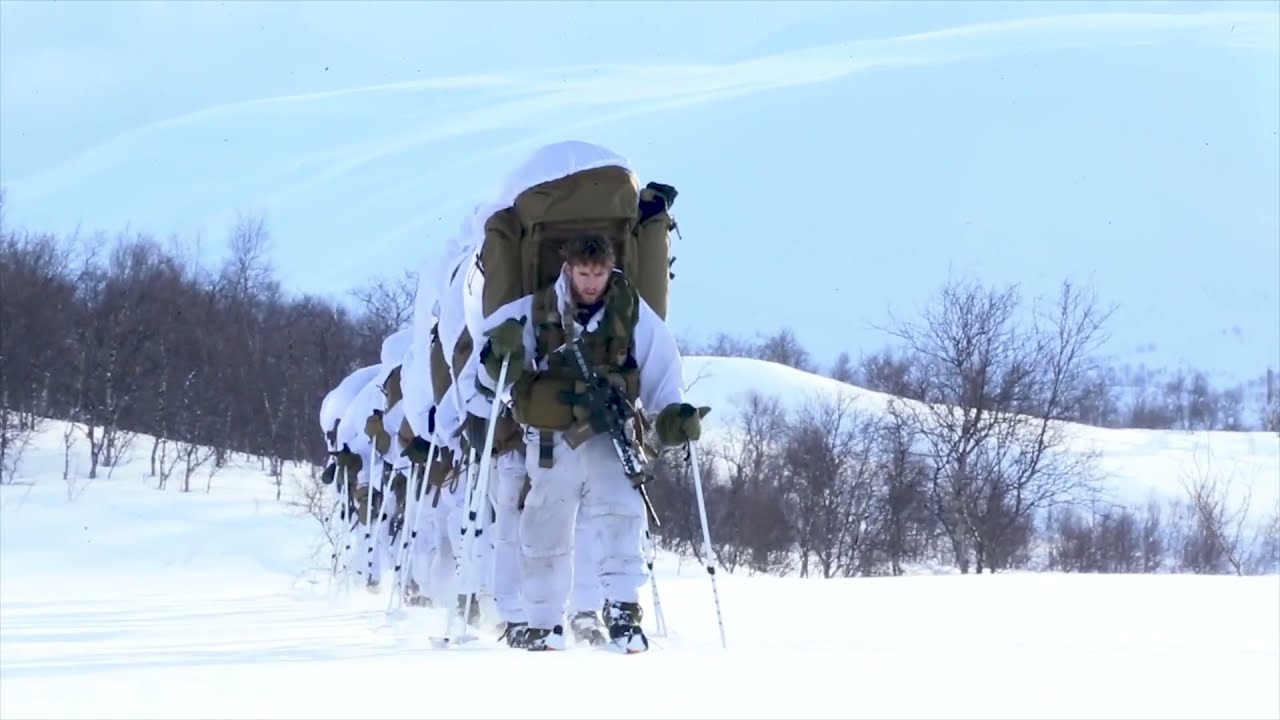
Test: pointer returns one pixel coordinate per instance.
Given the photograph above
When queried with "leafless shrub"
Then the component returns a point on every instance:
(1219, 540)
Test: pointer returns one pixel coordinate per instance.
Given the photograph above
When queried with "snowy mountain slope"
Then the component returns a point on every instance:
(1135, 465)
(133, 602)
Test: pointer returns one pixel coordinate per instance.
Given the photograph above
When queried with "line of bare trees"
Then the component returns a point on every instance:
(130, 335)
(1115, 396)
(970, 466)
(966, 466)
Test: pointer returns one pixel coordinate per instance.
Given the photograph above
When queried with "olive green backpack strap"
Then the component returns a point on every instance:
(548, 323)
(622, 314)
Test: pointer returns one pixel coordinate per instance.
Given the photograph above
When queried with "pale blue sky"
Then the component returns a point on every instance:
(834, 159)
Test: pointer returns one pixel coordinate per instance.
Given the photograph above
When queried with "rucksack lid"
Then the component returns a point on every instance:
(603, 200)
(558, 191)
(522, 249)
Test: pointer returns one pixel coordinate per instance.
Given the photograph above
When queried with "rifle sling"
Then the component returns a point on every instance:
(545, 447)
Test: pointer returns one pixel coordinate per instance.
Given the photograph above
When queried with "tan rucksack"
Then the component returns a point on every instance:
(520, 253)
(441, 379)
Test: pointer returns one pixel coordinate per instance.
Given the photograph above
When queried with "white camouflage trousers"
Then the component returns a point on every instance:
(586, 482)
(504, 493)
(507, 572)
(434, 561)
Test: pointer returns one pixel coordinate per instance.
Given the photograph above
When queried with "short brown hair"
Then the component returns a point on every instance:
(588, 249)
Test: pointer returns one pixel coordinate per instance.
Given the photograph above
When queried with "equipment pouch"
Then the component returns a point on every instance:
(579, 433)
(538, 402)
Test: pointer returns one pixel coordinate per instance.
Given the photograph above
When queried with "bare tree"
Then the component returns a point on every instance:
(672, 494)
(895, 373)
(1230, 409)
(387, 305)
(248, 272)
(764, 530)
(754, 521)
(1105, 539)
(829, 465)
(108, 336)
(1202, 403)
(842, 369)
(311, 499)
(193, 457)
(191, 453)
(780, 347)
(122, 314)
(1153, 545)
(1269, 403)
(35, 296)
(727, 346)
(996, 395)
(1142, 403)
(15, 436)
(784, 348)
(903, 522)
(1219, 539)
(165, 457)
(1099, 401)
(1266, 558)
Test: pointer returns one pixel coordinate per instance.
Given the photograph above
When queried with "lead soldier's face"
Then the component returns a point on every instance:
(588, 282)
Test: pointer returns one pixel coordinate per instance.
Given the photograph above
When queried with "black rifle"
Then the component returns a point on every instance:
(609, 413)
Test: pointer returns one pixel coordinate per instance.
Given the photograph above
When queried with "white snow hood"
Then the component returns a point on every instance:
(395, 346)
(335, 403)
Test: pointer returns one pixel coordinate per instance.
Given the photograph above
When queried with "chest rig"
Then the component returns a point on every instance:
(548, 400)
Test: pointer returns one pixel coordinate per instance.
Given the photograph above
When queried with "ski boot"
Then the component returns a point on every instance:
(625, 633)
(515, 635)
(542, 639)
(588, 629)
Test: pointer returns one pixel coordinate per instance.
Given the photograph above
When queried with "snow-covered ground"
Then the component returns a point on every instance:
(131, 602)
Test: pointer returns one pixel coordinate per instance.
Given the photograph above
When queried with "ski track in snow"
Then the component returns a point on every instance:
(132, 602)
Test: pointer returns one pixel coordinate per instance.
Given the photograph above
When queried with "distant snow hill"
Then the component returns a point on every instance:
(1134, 465)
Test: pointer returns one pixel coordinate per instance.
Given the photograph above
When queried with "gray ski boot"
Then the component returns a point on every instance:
(588, 629)
(625, 633)
(542, 639)
(515, 635)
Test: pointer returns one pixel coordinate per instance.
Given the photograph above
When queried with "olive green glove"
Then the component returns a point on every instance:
(679, 423)
(475, 428)
(347, 460)
(505, 341)
(362, 499)
(374, 431)
(417, 450)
